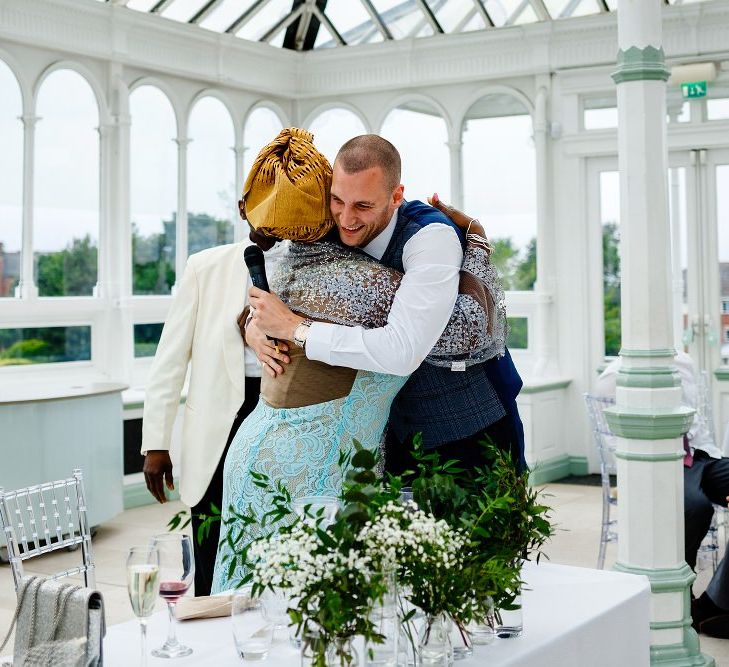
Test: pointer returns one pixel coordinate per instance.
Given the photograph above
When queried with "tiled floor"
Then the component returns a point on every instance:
(576, 515)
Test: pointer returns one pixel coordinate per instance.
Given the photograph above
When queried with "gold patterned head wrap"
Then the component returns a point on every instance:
(286, 193)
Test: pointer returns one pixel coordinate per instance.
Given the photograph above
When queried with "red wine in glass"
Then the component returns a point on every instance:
(172, 591)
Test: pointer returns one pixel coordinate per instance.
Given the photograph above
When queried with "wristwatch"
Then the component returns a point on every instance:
(301, 332)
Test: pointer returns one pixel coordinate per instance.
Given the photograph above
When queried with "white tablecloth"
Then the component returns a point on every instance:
(572, 617)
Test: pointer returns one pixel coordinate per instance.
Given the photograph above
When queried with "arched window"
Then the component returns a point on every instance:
(262, 126)
(153, 191)
(331, 128)
(419, 132)
(11, 181)
(66, 205)
(499, 184)
(211, 186)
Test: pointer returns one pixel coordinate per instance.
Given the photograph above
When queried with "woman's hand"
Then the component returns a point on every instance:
(272, 316)
(272, 361)
(460, 219)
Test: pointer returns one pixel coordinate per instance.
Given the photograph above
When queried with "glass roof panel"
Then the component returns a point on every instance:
(183, 10)
(348, 16)
(352, 18)
(223, 16)
(265, 19)
(526, 15)
(452, 13)
(141, 5)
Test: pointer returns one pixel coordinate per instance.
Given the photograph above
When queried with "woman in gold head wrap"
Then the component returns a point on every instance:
(308, 416)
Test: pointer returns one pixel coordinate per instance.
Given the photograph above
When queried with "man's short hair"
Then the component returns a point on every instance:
(367, 151)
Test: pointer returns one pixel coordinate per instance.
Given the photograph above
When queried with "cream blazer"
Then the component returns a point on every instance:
(200, 329)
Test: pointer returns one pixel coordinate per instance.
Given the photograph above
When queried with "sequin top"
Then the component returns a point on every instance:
(333, 283)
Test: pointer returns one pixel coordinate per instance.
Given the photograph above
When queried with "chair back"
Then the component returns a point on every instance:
(704, 406)
(47, 517)
(601, 434)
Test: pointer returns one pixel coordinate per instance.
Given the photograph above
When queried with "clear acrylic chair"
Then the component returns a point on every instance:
(47, 517)
(603, 440)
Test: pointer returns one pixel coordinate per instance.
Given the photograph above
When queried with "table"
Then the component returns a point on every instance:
(51, 428)
(572, 617)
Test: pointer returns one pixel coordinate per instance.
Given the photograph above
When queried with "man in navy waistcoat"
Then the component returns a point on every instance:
(453, 410)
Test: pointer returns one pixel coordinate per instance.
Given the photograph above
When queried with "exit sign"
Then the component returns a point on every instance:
(694, 89)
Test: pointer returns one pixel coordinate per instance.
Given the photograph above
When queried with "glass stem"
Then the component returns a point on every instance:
(172, 628)
(143, 626)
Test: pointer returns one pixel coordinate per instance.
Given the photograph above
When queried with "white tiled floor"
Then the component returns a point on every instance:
(576, 516)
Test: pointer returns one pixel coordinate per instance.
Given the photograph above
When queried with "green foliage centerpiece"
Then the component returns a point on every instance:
(453, 550)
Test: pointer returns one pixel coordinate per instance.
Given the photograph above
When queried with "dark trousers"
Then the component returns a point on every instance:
(468, 451)
(206, 550)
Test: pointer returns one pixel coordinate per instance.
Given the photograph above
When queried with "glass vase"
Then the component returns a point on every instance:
(462, 641)
(434, 644)
(386, 622)
(341, 653)
(485, 632)
(510, 622)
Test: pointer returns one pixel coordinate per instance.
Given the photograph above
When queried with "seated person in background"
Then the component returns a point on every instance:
(705, 484)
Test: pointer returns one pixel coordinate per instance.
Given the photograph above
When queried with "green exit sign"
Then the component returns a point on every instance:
(694, 89)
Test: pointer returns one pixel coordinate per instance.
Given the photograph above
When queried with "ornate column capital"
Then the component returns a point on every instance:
(636, 64)
(29, 120)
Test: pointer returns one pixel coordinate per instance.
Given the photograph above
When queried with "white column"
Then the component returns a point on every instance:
(455, 149)
(181, 222)
(648, 416)
(26, 288)
(545, 336)
(239, 227)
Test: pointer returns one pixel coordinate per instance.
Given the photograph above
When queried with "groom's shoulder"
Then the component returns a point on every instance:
(421, 214)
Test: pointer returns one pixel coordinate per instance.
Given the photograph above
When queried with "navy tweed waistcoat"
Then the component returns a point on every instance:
(442, 404)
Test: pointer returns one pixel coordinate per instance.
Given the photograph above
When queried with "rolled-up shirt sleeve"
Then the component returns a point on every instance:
(422, 307)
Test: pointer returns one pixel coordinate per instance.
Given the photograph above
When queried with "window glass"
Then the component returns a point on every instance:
(211, 187)
(262, 126)
(153, 185)
(66, 207)
(11, 181)
(332, 128)
(44, 345)
(610, 219)
(146, 338)
(717, 109)
(518, 338)
(419, 132)
(499, 184)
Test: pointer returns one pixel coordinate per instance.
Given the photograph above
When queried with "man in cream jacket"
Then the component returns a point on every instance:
(201, 329)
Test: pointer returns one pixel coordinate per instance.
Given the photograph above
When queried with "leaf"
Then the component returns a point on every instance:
(364, 458)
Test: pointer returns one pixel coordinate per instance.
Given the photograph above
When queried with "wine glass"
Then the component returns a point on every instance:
(177, 569)
(143, 587)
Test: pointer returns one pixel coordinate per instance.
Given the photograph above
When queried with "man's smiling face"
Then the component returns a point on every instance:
(362, 204)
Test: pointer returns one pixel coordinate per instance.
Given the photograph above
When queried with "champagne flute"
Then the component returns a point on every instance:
(143, 587)
(177, 569)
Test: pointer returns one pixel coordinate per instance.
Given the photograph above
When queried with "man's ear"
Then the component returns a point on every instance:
(398, 196)
(242, 209)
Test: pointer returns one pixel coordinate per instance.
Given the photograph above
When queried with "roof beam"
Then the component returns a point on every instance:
(540, 10)
(246, 16)
(160, 6)
(518, 11)
(430, 16)
(377, 19)
(323, 18)
(481, 8)
(205, 11)
(604, 7)
(464, 21)
(569, 9)
(285, 22)
(302, 28)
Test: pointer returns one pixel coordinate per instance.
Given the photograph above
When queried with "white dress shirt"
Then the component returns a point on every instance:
(423, 305)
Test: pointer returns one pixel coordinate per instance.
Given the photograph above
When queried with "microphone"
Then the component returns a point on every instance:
(253, 257)
(256, 264)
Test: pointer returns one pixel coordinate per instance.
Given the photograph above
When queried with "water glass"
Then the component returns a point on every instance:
(143, 587)
(252, 631)
(510, 621)
(275, 606)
